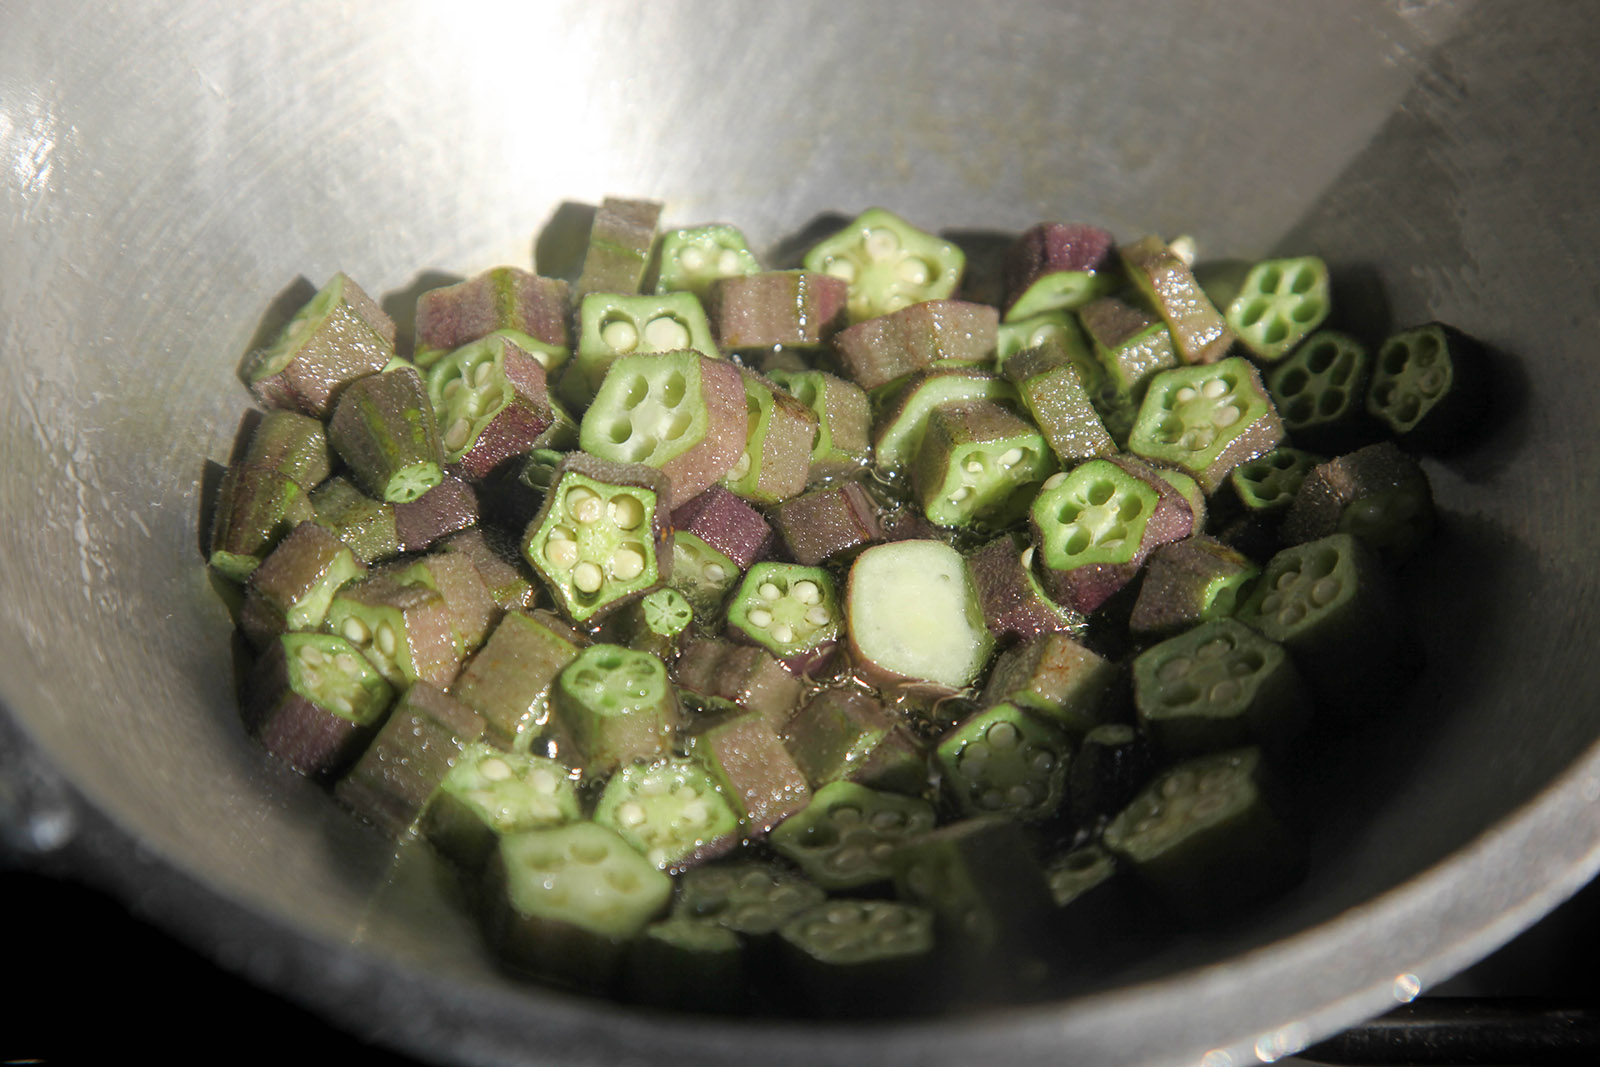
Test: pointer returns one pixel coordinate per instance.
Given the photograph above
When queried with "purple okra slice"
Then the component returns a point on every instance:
(914, 619)
(753, 769)
(888, 263)
(508, 682)
(720, 674)
(726, 524)
(827, 524)
(617, 706)
(979, 463)
(314, 702)
(1014, 604)
(1130, 346)
(671, 811)
(613, 325)
(787, 308)
(257, 507)
(1378, 493)
(490, 402)
(847, 836)
(447, 508)
(1189, 582)
(293, 587)
(511, 583)
(292, 444)
(620, 242)
(898, 430)
(383, 427)
(891, 346)
(1051, 387)
(1206, 420)
(341, 335)
(1056, 679)
(790, 610)
(776, 462)
(489, 792)
(695, 258)
(504, 300)
(473, 612)
(847, 735)
(1199, 332)
(405, 630)
(843, 439)
(368, 526)
(1058, 266)
(1003, 761)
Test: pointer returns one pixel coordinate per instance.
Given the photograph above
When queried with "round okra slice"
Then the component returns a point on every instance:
(701, 573)
(490, 400)
(611, 325)
(618, 706)
(1319, 389)
(897, 433)
(1280, 303)
(888, 263)
(690, 259)
(489, 792)
(563, 903)
(789, 610)
(1220, 685)
(338, 337)
(1428, 385)
(384, 429)
(1206, 420)
(314, 702)
(1378, 493)
(654, 623)
(978, 462)
(860, 957)
(844, 420)
(846, 837)
(750, 898)
(671, 812)
(1268, 484)
(914, 618)
(1004, 762)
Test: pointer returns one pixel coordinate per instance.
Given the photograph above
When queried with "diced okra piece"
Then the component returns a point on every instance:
(473, 611)
(914, 619)
(1100, 914)
(1187, 488)
(617, 705)
(508, 682)
(1280, 303)
(791, 611)
(340, 336)
(1204, 836)
(888, 263)
(490, 402)
(848, 735)
(1076, 873)
(1004, 762)
(1058, 266)
(1014, 604)
(691, 259)
(1055, 678)
(509, 301)
(1131, 346)
(620, 241)
(860, 957)
(679, 412)
(978, 463)
(1378, 493)
(671, 812)
(655, 623)
(776, 461)
(828, 523)
(564, 903)
(1268, 483)
(778, 308)
(844, 421)
(257, 507)
(897, 432)
(447, 508)
(1113, 763)
(917, 337)
(847, 835)
(405, 631)
(1319, 390)
(419, 742)
(383, 428)
(489, 792)
(1429, 386)
(727, 524)
(702, 574)
(368, 526)
(1054, 330)
(292, 444)
(1206, 420)
(753, 770)
(750, 898)
(1052, 388)
(687, 965)
(1189, 582)
(293, 587)
(314, 702)
(601, 536)
(612, 325)
(509, 581)
(720, 674)
(1199, 332)
(1220, 685)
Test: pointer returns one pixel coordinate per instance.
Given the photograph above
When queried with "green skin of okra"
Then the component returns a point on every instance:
(831, 523)
(844, 420)
(383, 428)
(787, 308)
(617, 706)
(1130, 347)
(508, 681)
(510, 583)
(366, 525)
(257, 507)
(897, 432)
(1052, 389)
(1003, 761)
(847, 836)
(296, 583)
(848, 735)
(1056, 678)
(489, 792)
(915, 338)
(1014, 604)
(854, 958)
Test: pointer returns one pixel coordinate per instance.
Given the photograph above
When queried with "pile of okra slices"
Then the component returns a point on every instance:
(827, 640)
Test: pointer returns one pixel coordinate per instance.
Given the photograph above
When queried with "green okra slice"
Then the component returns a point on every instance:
(844, 420)
(1075, 874)
(368, 526)
(601, 536)
(914, 619)
(1429, 386)
(383, 428)
(1199, 332)
(846, 837)
(691, 259)
(617, 705)
(1206, 420)
(509, 301)
(620, 241)
(776, 462)
(1055, 678)
(828, 523)
(613, 325)
(1268, 483)
(1003, 761)
(752, 768)
(1100, 912)
(1320, 388)
(294, 585)
(720, 674)
(472, 609)
(1204, 836)
(508, 681)
(1220, 685)
(914, 338)
(418, 744)
(790, 610)
(751, 898)
(846, 735)
(777, 309)
(507, 577)
(1014, 604)
(679, 412)
(1378, 493)
(564, 903)
(314, 702)
(1281, 302)
(1051, 387)
(341, 335)
(897, 432)
(671, 812)
(490, 403)
(292, 444)
(860, 957)
(888, 264)
(1189, 582)
(405, 630)
(257, 507)
(1130, 346)
(702, 574)
(1113, 762)
(488, 792)
(687, 965)
(655, 623)
(1057, 331)
(978, 463)
(1058, 266)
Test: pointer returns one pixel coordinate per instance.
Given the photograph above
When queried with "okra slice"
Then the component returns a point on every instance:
(473, 611)
(601, 535)
(1378, 493)
(1281, 302)
(490, 402)
(508, 681)
(1055, 678)
(917, 337)
(383, 428)
(257, 507)
(447, 508)
(1112, 764)
(1206, 420)
(510, 583)
(860, 957)
(293, 587)
(827, 524)
(1052, 388)
(687, 965)
(888, 264)
(727, 524)
(702, 574)
(779, 308)
(617, 705)
(790, 610)
(1014, 604)
(620, 241)
(292, 444)
(1058, 266)
(1187, 488)
(509, 301)
(1131, 346)
(314, 702)
(1054, 330)
(914, 618)
(488, 792)
(419, 742)
(368, 526)
(564, 903)
(978, 463)
(1220, 685)
(719, 674)
(691, 259)
(1429, 386)
(1100, 914)
(1205, 838)
(776, 462)
(654, 623)
(671, 812)
(1189, 582)
(844, 420)
(1075, 874)
(897, 432)
(747, 759)
(1199, 332)
(1268, 484)
(405, 630)
(1004, 762)
(750, 898)
(679, 412)
(846, 837)
(1319, 390)
(611, 325)
(846, 735)
(341, 335)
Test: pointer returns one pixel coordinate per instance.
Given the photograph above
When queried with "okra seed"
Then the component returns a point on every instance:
(1325, 591)
(542, 781)
(845, 815)
(770, 591)
(846, 858)
(1214, 388)
(1208, 806)
(1174, 669)
(452, 387)
(356, 631)
(842, 269)
(619, 335)
(587, 577)
(973, 467)
(1287, 579)
(386, 639)
(881, 243)
(1054, 480)
(584, 505)
(1049, 333)
(627, 564)
(346, 663)
(561, 553)
(914, 271)
(783, 633)
(740, 469)
(455, 438)
(692, 259)
(495, 770)
(760, 618)
(665, 333)
(622, 881)
(1019, 796)
(630, 814)
(1011, 457)
(312, 656)
(1186, 394)
(1226, 415)
(728, 262)
(1225, 692)
(626, 511)
(480, 375)
(1043, 763)
(960, 494)
(715, 573)
(590, 852)
(1214, 649)
(818, 616)
(1175, 785)
(805, 591)
(1292, 614)
(696, 812)
(1002, 735)
(992, 800)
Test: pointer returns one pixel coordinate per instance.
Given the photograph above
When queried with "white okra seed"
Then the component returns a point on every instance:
(769, 591)
(587, 577)
(386, 639)
(807, 592)
(356, 631)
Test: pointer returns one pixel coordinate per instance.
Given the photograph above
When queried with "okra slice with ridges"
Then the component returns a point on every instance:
(1056, 678)
(671, 812)
(1113, 762)
(845, 734)
(505, 300)
(914, 619)
(654, 623)
(618, 707)
(1058, 266)
(447, 508)
(490, 402)
(1199, 332)
(1319, 391)
(292, 444)
(564, 903)
(472, 609)
(257, 507)
(294, 585)
(1281, 302)
(1101, 914)
(844, 420)
(791, 611)
(702, 574)
(898, 430)
(508, 681)
(368, 526)
(384, 429)
(1014, 604)
(888, 264)
(419, 742)
(1052, 388)
(1378, 493)
(978, 464)
(612, 325)
(687, 965)
(620, 241)
(750, 898)
(489, 792)
(405, 630)
(692, 258)
(1004, 762)
(1189, 582)
(846, 837)
(506, 575)
(900, 343)
(726, 524)
(776, 461)
(827, 524)
(1429, 386)
(860, 957)
(1268, 484)
(1131, 346)
(777, 309)
(341, 335)
(1206, 420)
(753, 770)
(314, 702)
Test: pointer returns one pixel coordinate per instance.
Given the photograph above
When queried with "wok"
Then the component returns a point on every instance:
(174, 173)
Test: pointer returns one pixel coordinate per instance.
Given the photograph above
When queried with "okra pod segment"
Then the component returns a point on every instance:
(940, 645)
(294, 585)
(1014, 604)
(1319, 390)
(1055, 678)
(1052, 388)
(721, 674)
(1003, 761)
(671, 812)
(655, 623)
(341, 335)
(383, 427)
(620, 241)
(1113, 762)
(790, 610)
(702, 574)
(898, 430)
(753, 770)
(525, 307)
(828, 523)
(750, 898)
(617, 706)
(490, 403)
(843, 439)
(978, 463)
(1206, 420)
(368, 526)
(1189, 582)
(780, 308)
(727, 525)
(489, 792)
(860, 957)
(915, 338)
(776, 462)
(1280, 303)
(509, 581)
(292, 444)
(314, 702)
(1130, 346)
(844, 734)
(1058, 266)
(888, 264)
(1429, 386)
(447, 508)
(1378, 493)
(256, 508)
(1199, 332)
(847, 836)
(694, 258)
(422, 738)
(508, 681)
(687, 965)
(1268, 483)
(613, 325)
(405, 630)
(472, 609)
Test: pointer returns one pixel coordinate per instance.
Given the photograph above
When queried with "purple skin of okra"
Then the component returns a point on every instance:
(515, 428)
(337, 354)
(512, 586)
(879, 350)
(827, 524)
(447, 508)
(315, 742)
(1051, 247)
(503, 298)
(392, 781)
(756, 773)
(792, 308)
(728, 524)
(744, 675)
(1013, 604)
(291, 573)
